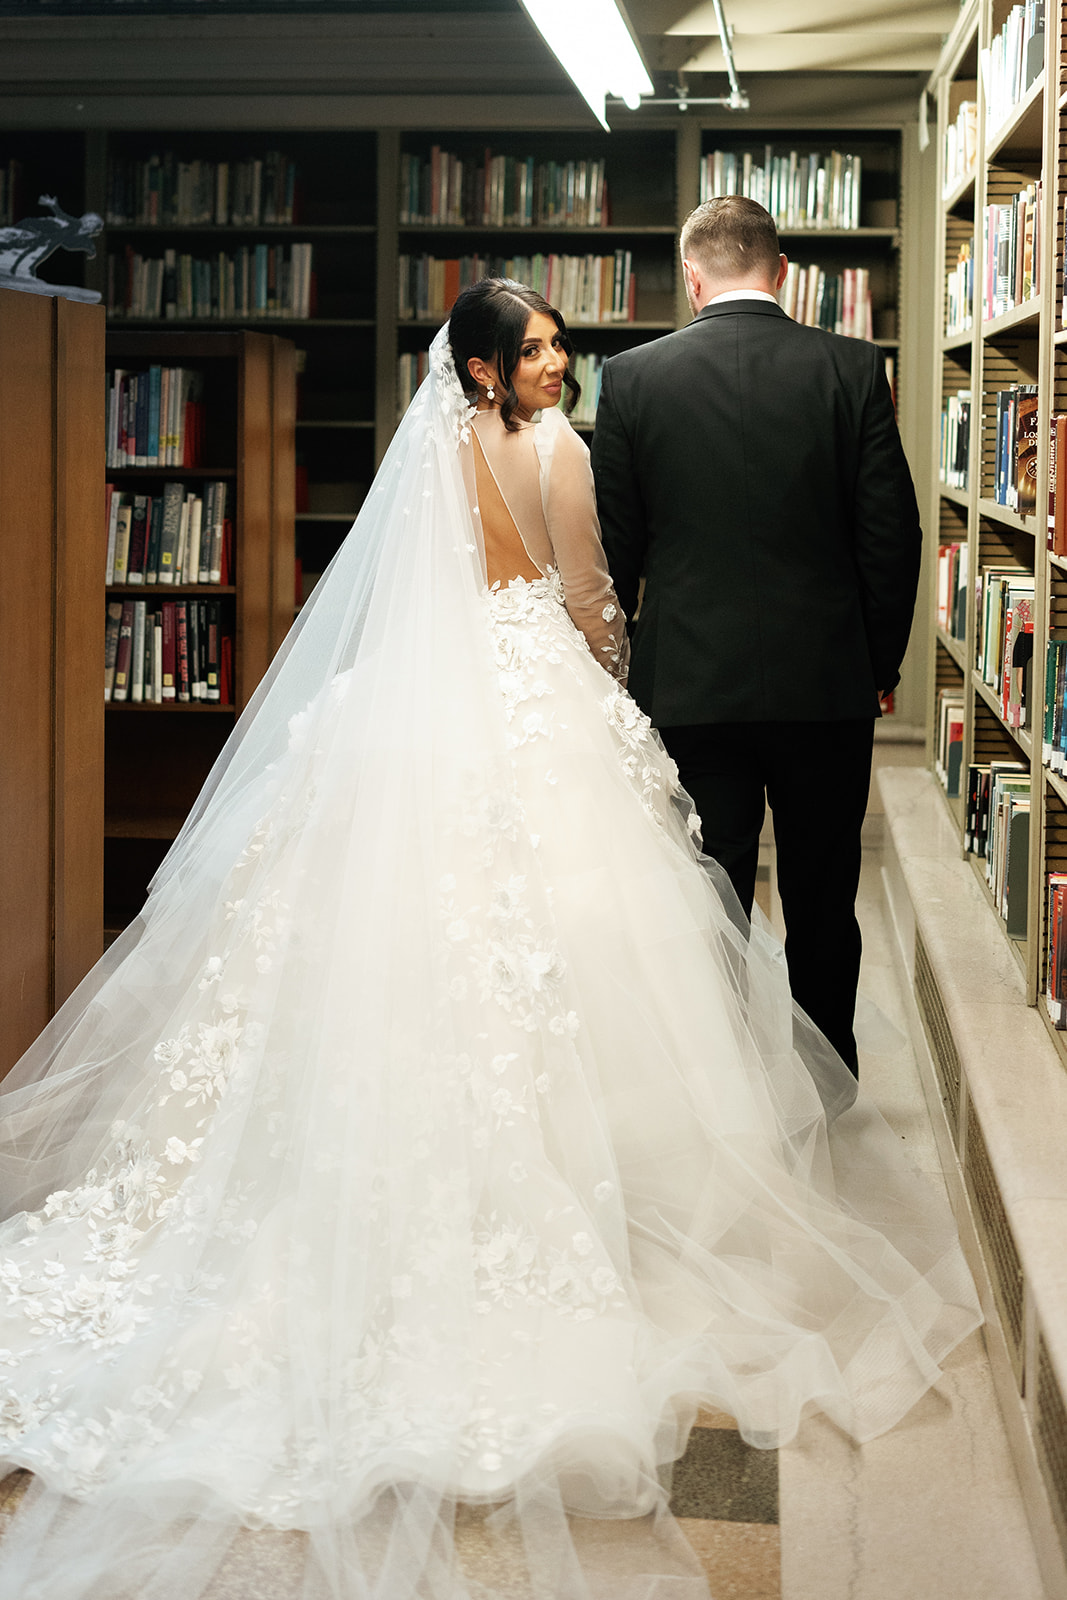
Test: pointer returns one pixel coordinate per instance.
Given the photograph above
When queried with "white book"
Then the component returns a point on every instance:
(191, 567)
(181, 557)
(157, 659)
(112, 527)
(137, 672)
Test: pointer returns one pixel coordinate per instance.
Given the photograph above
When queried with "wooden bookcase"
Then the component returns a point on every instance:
(51, 709)
(157, 756)
(336, 213)
(1025, 344)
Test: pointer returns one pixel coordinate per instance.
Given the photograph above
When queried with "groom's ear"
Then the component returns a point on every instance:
(783, 268)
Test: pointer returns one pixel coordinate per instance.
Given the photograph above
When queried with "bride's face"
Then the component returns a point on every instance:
(538, 377)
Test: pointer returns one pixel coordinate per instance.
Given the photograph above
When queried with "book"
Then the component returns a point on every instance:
(1056, 968)
(1026, 453)
(212, 653)
(112, 501)
(1017, 868)
(111, 645)
(155, 533)
(173, 500)
(123, 659)
(124, 516)
(137, 672)
(182, 652)
(169, 665)
(138, 550)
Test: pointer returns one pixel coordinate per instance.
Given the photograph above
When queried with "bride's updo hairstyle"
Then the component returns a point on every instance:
(489, 320)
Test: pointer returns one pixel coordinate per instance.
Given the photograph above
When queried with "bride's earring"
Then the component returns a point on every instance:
(490, 393)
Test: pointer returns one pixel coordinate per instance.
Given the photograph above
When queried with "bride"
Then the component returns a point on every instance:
(441, 1136)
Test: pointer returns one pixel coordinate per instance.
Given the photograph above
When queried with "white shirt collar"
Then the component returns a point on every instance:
(741, 294)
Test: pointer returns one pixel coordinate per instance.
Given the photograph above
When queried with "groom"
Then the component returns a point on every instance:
(751, 471)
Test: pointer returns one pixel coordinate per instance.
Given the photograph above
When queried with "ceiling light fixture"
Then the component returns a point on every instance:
(736, 100)
(594, 44)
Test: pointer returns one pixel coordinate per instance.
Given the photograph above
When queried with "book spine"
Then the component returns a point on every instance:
(124, 656)
(137, 685)
(182, 651)
(212, 672)
(112, 630)
(169, 668)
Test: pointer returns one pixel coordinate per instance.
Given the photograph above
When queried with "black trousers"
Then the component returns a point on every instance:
(815, 776)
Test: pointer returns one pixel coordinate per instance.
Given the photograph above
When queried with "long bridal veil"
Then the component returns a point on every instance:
(386, 1201)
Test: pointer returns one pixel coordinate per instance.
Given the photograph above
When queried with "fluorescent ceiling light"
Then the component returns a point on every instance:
(593, 43)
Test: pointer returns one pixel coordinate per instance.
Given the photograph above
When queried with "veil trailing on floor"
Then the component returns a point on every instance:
(385, 1202)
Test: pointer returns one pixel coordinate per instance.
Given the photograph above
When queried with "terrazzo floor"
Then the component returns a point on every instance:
(932, 1511)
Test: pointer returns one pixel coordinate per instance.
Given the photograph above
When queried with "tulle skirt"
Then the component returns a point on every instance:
(476, 1150)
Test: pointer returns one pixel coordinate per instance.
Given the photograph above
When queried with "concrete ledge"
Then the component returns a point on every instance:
(1017, 1088)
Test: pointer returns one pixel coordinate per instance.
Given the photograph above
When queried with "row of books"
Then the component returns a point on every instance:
(171, 537)
(166, 192)
(589, 371)
(411, 368)
(997, 830)
(501, 191)
(952, 589)
(1006, 640)
(948, 741)
(1014, 59)
(1012, 242)
(167, 650)
(260, 280)
(1054, 731)
(413, 365)
(10, 192)
(1056, 968)
(155, 418)
(1015, 448)
(582, 288)
(959, 292)
(954, 466)
(837, 301)
(818, 190)
(961, 146)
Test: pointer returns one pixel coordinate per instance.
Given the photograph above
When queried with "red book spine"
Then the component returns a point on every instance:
(1059, 538)
(213, 651)
(169, 650)
(226, 669)
(121, 690)
(183, 650)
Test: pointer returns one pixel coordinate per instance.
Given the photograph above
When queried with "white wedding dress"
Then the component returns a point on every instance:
(438, 1137)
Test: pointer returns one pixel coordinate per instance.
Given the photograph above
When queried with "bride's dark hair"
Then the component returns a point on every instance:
(489, 320)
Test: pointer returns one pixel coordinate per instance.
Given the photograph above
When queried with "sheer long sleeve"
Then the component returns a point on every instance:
(574, 532)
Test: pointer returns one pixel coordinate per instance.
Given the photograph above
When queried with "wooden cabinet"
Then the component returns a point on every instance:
(51, 707)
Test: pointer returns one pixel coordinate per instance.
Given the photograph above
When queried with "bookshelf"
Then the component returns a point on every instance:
(1005, 331)
(51, 780)
(631, 232)
(1001, 334)
(311, 213)
(158, 755)
(835, 195)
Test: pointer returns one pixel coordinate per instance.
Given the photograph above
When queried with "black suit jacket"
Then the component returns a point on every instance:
(751, 469)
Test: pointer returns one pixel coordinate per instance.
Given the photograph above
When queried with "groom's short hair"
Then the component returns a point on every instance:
(731, 237)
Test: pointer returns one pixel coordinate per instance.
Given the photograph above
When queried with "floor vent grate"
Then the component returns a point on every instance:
(1050, 1416)
(938, 1034)
(1002, 1257)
